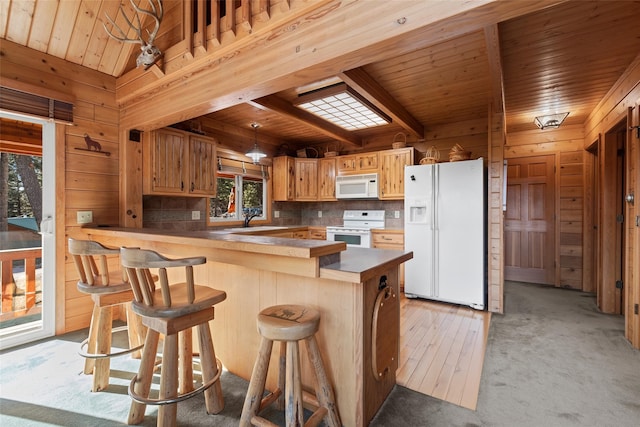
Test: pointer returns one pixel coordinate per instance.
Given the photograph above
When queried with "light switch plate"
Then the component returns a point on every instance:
(195, 215)
(84, 217)
(319, 214)
(276, 214)
(396, 214)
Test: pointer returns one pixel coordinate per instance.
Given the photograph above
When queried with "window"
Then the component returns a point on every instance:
(238, 195)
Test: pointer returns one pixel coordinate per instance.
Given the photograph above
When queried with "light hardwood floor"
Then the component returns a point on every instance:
(442, 350)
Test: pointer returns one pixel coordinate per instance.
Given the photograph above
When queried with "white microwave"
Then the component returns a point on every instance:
(357, 186)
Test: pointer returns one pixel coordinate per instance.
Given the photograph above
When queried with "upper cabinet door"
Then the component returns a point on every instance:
(327, 179)
(306, 179)
(284, 176)
(202, 166)
(358, 163)
(367, 162)
(391, 180)
(178, 163)
(167, 155)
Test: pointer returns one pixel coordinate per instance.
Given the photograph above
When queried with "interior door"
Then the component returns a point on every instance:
(529, 220)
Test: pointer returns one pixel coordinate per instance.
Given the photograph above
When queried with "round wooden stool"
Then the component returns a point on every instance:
(289, 324)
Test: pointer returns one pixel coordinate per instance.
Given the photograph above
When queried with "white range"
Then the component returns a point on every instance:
(356, 227)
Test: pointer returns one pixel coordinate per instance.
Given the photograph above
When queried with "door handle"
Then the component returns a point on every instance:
(45, 226)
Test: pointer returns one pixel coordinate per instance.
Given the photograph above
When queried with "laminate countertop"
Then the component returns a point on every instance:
(254, 246)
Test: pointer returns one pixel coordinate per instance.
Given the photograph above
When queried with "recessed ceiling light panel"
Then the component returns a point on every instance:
(341, 106)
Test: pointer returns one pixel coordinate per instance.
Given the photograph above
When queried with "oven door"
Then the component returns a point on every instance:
(354, 238)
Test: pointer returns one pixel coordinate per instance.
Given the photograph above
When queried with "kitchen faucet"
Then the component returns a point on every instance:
(247, 218)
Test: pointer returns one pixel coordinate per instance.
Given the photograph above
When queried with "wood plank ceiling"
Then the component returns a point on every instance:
(561, 58)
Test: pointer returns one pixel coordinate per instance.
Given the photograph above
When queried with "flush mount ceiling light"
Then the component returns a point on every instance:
(342, 106)
(550, 121)
(255, 153)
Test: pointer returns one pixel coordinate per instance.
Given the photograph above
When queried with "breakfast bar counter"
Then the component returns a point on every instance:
(355, 290)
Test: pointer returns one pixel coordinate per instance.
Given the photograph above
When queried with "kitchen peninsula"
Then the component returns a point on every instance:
(355, 290)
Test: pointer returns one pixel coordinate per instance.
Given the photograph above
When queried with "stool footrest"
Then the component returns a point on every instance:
(179, 398)
(310, 400)
(261, 422)
(269, 399)
(316, 418)
(84, 344)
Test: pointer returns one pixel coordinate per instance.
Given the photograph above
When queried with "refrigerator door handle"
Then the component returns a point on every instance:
(436, 221)
(436, 185)
(431, 211)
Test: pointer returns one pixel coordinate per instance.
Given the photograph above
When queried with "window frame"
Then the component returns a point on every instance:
(238, 219)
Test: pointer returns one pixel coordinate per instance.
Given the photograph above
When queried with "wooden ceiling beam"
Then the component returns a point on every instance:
(281, 106)
(492, 40)
(210, 125)
(371, 90)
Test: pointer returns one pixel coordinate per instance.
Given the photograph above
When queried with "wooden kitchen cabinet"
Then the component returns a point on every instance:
(303, 179)
(389, 239)
(327, 179)
(358, 163)
(317, 233)
(202, 166)
(301, 234)
(391, 179)
(306, 186)
(284, 179)
(179, 163)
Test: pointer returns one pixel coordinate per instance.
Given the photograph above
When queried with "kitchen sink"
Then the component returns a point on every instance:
(256, 228)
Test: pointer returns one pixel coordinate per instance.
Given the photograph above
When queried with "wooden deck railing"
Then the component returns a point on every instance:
(9, 287)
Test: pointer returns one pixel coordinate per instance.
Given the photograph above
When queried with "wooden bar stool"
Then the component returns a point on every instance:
(172, 310)
(289, 324)
(107, 291)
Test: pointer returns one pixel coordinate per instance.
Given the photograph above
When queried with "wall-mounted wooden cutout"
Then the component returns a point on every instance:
(93, 146)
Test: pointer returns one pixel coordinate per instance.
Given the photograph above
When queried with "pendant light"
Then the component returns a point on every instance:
(256, 153)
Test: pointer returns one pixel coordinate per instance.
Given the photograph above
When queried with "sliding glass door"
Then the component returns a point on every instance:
(27, 230)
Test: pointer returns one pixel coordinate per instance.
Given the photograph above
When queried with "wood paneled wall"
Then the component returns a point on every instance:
(622, 102)
(495, 220)
(90, 180)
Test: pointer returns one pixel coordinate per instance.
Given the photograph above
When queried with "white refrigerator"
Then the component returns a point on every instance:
(445, 228)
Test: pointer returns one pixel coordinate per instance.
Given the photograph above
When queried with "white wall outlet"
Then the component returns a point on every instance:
(396, 214)
(319, 214)
(195, 215)
(84, 217)
(276, 214)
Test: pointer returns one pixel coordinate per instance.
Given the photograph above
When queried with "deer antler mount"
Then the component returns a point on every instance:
(150, 53)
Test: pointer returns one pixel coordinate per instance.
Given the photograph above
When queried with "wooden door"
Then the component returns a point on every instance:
(611, 220)
(529, 220)
(632, 247)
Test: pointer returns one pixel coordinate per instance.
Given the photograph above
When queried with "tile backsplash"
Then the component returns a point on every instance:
(175, 213)
(295, 213)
